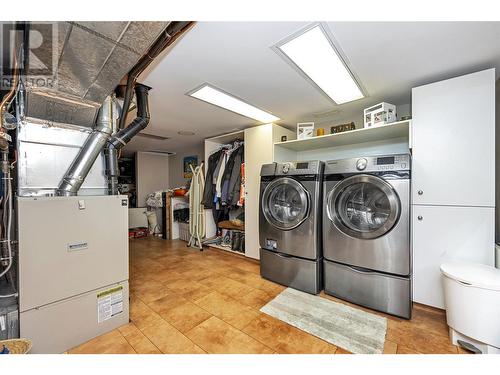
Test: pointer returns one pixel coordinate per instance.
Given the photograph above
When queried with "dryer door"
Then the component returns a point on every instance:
(363, 206)
(285, 203)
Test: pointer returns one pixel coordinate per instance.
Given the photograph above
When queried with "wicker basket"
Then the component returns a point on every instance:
(184, 232)
(16, 346)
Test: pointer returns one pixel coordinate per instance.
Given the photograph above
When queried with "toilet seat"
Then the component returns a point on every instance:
(476, 275)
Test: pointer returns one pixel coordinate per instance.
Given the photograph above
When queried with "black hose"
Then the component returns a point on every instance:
(123, 136)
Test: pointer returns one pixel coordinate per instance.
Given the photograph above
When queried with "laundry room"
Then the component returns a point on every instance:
(289, 185)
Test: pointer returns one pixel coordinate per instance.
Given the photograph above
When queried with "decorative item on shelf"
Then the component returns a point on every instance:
(305, 130)
(342, 128)
(189, 160)
(379, 114)
(405, 118)
(180, 192)
(283, 138)
(320, 132)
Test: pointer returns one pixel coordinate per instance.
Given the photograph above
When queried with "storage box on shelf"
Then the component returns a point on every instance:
(383, 139)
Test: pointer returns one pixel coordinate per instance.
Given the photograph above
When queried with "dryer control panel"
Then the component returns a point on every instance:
(398, 162)
(294, 168)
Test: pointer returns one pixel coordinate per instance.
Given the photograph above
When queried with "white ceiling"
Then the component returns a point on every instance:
(388, 58)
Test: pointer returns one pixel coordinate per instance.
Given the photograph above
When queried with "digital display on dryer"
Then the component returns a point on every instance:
(302, 166)
(385, 160)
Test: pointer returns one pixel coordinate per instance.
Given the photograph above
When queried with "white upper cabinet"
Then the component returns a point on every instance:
(453, 138)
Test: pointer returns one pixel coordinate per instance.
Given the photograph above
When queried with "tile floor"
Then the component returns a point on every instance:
(186, 301)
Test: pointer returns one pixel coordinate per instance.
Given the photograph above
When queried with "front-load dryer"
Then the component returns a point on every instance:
(366, 232)
(290, 224)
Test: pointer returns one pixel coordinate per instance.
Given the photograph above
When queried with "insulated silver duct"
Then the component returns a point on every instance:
(89, 59)
(81, 165)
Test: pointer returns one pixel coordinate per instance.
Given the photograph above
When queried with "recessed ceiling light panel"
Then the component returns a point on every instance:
(221, 99)
(314, 53)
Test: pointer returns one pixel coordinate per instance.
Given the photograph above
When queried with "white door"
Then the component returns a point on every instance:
(442, 234)
(453, 134)
(258, 151)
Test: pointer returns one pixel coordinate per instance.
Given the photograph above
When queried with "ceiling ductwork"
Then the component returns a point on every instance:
(102, 134)
(91, 59)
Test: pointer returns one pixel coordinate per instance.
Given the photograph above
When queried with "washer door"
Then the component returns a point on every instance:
(363, 206)
(285, 203)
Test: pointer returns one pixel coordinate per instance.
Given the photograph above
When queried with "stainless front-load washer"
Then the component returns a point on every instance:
(366, 232)
(290, 224)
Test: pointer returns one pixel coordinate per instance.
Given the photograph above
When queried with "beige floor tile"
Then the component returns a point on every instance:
(284, 338)
(390, 347)
(185, 316)
(188, 286)
(198, 273)
(150, 290)
(342, 351)
(227, 309)
(167, 276)
(142, 315)
(406, 350)
(166, 303)
(190, 290)
(137, 340)
(216, 336)
(169, 340)
(418, 338)
(110, 343)
(256, 299)
(226, 286)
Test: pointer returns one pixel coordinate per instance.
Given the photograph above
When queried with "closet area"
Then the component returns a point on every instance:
(224, 194)
(232, 181)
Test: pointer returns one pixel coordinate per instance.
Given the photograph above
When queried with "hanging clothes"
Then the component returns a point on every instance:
(209, 191)
(241, 201)
(232, 178)
(220, 176)
(224, 180)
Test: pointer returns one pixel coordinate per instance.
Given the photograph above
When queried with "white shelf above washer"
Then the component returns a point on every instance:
(395, 130)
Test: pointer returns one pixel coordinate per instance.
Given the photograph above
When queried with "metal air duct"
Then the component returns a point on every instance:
(122, 137)
(90, 150)
(96, 141)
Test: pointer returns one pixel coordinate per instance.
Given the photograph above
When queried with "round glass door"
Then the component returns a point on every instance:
(285, 203)
(363, 206)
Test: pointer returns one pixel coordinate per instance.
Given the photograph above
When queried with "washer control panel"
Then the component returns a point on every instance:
(399, 162)
(300, 168)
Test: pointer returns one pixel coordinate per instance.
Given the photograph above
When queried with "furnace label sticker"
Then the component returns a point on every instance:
(109, 303)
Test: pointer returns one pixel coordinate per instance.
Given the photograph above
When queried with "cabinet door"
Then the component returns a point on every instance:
(453, 134)
(258, 151)
(443, 234)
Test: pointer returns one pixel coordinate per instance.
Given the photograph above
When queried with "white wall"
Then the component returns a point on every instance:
(152, 174)
(176, 167)
(497, 163)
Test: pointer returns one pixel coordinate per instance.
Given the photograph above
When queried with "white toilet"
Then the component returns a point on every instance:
(472, 300)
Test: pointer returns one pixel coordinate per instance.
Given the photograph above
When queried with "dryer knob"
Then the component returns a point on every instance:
(286, 168)
(361, 164)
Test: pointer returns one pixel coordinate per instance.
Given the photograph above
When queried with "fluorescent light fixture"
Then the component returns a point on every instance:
(315, 55)
(219, 98)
